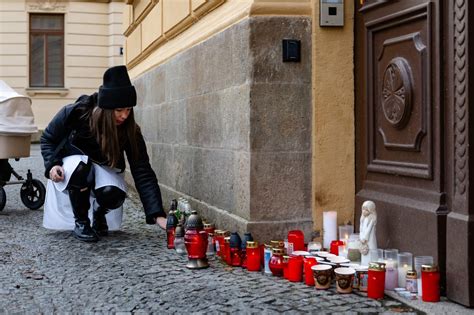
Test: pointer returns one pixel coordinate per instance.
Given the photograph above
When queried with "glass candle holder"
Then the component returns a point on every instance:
(391, 268)
(353, 248)
(376, 255)
(390, 254)
(342, 251)
(267, 254)
(405, 263)
(314, 247)
(391, 274)
(345, 232)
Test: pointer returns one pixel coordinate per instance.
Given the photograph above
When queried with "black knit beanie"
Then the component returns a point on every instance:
(117, 91)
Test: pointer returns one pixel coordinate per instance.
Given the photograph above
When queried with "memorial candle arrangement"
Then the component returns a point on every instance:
(387, 268)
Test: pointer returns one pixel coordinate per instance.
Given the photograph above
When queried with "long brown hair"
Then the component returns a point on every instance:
(112, 138)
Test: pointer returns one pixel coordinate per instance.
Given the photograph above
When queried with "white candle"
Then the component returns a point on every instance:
(402, 274)
(329, 228)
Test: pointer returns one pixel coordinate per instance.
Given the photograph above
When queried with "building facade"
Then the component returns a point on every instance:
(56, 50)
(263, 116)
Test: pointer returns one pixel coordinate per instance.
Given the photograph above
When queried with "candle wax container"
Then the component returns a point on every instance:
(376, 280)
(411, 281)
(267, 256)
(430, 283)
(179, 245)
(286, 259)
(253, 256)
(314, 247)
(391, 275)
(342, 251)
(219, 240)
(276, 262)
(309, 262)
(363, 276)
(405, 263)
(295, 268)
(209, 228)
(296, 237)
(334, 247)
(345, 232)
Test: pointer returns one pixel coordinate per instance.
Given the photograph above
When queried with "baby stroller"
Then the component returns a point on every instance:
(16, 128)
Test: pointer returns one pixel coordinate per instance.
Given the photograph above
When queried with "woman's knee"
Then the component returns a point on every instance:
(81, 177)
(109, 197)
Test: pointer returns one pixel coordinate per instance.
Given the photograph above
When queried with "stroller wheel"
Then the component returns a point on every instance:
(3, 198)
(33, 194)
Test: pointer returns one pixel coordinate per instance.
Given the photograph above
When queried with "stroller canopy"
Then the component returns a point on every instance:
(16, 115)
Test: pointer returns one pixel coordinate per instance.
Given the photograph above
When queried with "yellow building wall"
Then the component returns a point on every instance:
(158, 30)
(333, 118)
(93, 37)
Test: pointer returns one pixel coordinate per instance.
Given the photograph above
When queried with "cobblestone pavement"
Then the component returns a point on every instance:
(131, 271)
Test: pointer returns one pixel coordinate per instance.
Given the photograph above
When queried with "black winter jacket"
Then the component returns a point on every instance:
(69, 134)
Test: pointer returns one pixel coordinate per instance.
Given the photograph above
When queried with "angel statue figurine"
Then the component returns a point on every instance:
(368, 240)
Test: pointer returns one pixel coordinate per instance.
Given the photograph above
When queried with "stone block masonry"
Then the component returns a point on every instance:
(228, 124)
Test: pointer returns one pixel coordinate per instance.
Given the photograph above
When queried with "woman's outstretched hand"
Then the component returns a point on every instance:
(56, 174)
(161, 222)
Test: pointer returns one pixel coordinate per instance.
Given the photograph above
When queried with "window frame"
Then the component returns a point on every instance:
(46, 33)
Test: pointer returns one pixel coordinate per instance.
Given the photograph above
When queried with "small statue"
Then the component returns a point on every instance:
(368, 240)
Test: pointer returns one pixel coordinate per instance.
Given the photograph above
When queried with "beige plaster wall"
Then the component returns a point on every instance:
(333, 118)
(93, 37)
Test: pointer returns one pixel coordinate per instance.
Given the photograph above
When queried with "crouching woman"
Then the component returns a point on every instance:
(83, 150)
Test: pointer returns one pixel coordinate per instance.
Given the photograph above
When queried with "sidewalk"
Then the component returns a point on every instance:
(131, 271)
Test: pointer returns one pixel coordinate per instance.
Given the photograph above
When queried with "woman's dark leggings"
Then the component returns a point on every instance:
(79, 188)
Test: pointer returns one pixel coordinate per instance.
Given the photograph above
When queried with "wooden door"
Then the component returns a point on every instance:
(399, 123)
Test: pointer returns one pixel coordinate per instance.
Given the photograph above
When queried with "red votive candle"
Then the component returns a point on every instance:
(285, 266)
(430, 283)
(276, 262)
(296, 237)
(295, 268)
(335, 247)
(227, 254)
(253, 256)
(209, 228)
(170, 237)
(308, 272)
(376, 281)
(219, 239)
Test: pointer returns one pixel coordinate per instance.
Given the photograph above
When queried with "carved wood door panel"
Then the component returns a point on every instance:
(399, 129)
